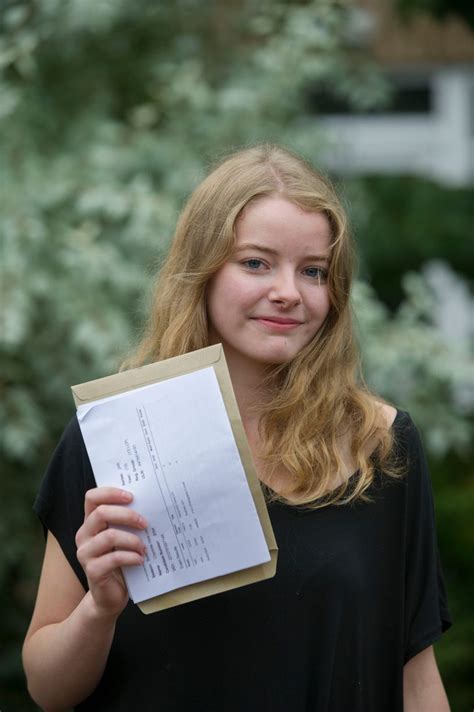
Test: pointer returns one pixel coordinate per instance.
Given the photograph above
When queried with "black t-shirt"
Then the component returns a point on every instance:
(357, 593)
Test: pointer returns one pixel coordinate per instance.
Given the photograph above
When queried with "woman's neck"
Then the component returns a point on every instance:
(249, 394)
(248, 379)
(248, 382)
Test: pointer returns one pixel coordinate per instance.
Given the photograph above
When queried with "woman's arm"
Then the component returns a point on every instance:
(68, 643)
(71, 631)
(423, 689)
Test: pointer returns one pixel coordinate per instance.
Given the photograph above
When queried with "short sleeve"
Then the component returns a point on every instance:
(60, 500)
(426, 608)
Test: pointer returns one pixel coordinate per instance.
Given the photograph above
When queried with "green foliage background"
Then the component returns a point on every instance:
(110, 113)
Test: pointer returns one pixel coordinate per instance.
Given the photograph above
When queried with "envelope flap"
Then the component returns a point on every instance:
(145, 375)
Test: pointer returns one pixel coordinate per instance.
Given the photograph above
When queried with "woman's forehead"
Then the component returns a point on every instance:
(273, 222)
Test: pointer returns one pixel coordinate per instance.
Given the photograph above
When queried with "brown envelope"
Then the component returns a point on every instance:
(160, 371)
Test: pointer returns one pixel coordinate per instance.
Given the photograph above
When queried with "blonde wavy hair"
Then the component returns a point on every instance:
(318, 408)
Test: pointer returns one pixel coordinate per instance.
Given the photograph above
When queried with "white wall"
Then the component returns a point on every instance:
(439, 144)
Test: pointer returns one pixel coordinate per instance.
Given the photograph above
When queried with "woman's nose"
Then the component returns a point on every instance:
(284, 288)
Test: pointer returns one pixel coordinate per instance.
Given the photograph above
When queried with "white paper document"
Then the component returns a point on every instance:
(172, 446)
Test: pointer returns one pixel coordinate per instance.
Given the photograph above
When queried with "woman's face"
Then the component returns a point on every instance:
(271, 297)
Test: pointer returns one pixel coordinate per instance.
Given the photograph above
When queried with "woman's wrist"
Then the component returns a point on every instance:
(97, 614)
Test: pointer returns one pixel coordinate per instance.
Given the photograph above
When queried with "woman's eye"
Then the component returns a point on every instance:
(318, 273)
(253, 264)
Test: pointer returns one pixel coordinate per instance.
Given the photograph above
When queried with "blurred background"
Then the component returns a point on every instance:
(112, 111)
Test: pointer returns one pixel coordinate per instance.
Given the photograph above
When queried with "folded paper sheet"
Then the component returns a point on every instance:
(172, 444)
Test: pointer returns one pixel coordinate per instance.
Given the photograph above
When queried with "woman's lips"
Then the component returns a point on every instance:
(277, 323)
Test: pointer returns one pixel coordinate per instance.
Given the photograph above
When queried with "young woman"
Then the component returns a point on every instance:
(262, 263)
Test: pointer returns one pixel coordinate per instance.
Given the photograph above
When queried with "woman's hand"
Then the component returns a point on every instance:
(102, 548)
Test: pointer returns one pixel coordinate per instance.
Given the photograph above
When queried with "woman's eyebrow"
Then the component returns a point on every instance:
(271, 251)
